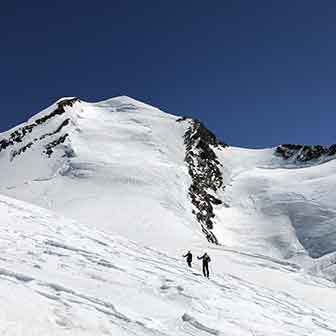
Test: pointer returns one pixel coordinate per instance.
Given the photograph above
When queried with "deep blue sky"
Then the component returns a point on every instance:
(258, 73)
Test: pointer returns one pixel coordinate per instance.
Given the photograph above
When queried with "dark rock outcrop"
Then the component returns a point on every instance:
(59, 110)
(304, 153)
(50, 146)
(18, 135)
(21, 150)
(204, 169)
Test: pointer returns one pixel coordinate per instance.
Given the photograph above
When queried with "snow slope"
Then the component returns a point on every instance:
(121, 190)
(279, 210)
(121, 168)
(59, 277)
(120, 165)
(126, 168)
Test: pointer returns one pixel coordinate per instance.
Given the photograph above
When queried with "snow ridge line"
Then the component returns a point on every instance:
(204, 171)
(18, 135)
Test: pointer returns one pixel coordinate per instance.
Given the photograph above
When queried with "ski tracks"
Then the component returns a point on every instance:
(83, 282)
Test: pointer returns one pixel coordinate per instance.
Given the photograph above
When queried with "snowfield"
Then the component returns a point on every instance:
(59, 277)
(96, 213)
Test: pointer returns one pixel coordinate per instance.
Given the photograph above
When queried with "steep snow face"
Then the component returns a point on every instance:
(117, 164)
(60, 277)
(275, 210)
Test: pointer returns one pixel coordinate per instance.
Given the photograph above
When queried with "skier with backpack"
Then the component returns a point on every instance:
(189, 258)
(206, 259)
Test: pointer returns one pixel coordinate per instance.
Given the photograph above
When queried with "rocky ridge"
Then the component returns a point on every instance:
(304, 153)
(204, 170)
(19, 135)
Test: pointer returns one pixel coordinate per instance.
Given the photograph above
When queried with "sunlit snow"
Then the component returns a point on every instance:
(92, 237)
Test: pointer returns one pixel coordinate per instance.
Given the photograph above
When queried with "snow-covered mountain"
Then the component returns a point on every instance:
(117, 165)
(99, 201)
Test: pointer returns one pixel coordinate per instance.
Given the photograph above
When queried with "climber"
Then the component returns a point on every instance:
(189, 258)
(206, 260)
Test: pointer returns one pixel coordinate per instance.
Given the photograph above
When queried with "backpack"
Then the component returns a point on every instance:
(207, 259)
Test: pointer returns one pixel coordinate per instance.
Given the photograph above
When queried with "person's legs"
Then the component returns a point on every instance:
(189, 263)
(204, 269)
(207, 270)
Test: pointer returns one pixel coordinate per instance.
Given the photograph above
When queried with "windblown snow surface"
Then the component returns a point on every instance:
(96, 214)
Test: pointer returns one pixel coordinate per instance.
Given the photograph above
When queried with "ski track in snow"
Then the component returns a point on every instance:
(70, 279)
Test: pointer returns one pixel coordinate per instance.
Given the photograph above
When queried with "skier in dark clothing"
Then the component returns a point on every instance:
(189, 258)
(206, 260)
